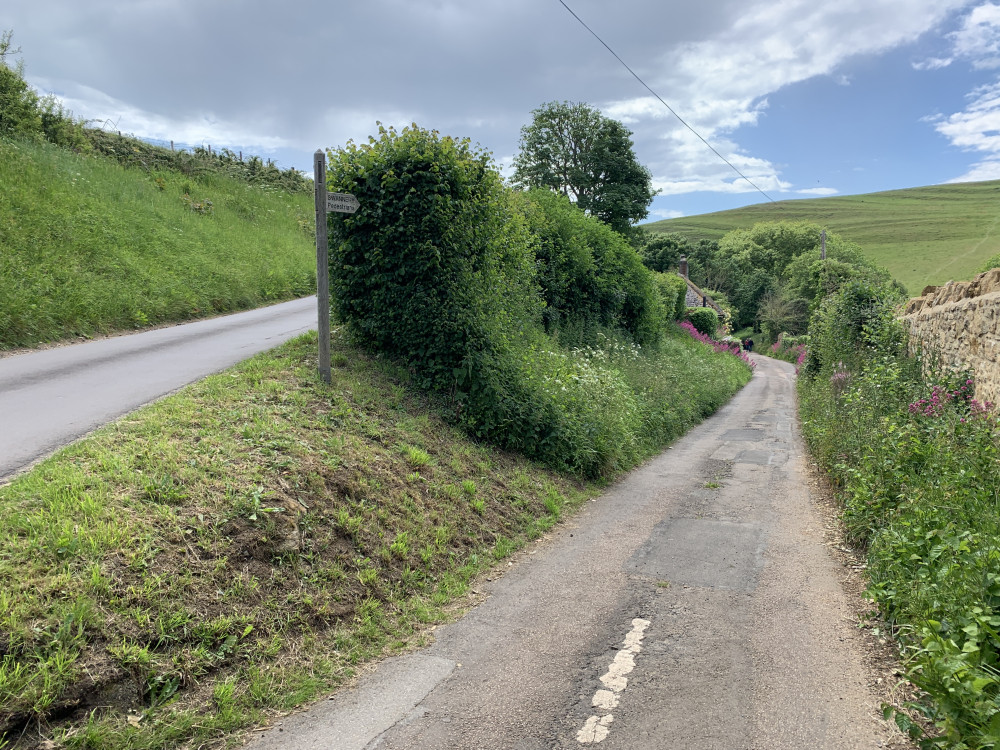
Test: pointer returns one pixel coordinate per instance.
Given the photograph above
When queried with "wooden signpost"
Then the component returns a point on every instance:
(325, 203)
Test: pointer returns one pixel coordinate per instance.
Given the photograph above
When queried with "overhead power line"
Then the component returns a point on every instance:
(660, 99)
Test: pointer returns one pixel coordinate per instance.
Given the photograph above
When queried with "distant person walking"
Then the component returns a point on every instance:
(748, 344)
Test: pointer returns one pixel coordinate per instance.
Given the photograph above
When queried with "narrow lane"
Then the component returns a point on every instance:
(692, 606)
(50, 398)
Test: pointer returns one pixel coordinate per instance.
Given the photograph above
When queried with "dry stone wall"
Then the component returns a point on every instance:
(960, 323)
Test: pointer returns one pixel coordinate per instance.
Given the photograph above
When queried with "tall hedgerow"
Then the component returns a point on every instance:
(590, 276)
(436, 265)
(445, 269)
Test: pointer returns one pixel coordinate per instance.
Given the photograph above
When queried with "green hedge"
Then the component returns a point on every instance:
(704, 319)
(436, 264)
(478, 290)
(590, 276)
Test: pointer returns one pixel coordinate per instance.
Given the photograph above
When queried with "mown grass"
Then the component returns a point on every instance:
(926, 235)
(239, 548)
(88, 246)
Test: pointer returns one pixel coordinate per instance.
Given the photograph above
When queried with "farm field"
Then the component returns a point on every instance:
(925, 235)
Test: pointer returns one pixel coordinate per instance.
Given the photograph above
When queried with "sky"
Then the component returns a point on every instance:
(803, 98)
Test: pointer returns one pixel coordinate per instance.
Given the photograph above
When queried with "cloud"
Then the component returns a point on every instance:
(720, 83)
(977, 128)
(818, 191)
(101, 110)
(978, 40)
(988, 169)
(933, 63)
(303, 76)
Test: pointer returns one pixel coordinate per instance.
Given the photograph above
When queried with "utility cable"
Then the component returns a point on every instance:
(669, 108)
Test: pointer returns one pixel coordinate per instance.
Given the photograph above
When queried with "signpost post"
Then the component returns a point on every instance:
(322, 266)
(344, 203)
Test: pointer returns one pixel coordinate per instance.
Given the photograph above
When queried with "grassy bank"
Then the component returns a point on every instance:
(240, 548)
(925, 235)
(88, 246)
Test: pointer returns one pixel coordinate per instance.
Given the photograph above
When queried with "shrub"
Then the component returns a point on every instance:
(855, 324)
(436, 265)
(993, 262)
(23, 114)
(590, 276)
(704, 319)
(19, 115)
(915, 461)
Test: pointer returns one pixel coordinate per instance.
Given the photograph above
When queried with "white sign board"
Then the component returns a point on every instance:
(342, 203)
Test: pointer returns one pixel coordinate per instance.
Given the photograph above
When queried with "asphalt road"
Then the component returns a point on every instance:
(50, 398)
(693, 606)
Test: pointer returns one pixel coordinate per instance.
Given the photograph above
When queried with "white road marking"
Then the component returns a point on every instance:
(595, 730)
(615, 681)
(606, 700)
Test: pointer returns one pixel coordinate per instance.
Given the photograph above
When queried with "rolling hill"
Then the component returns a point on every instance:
(926, 235)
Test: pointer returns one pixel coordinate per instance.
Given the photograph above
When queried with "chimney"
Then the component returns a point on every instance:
(683, 266)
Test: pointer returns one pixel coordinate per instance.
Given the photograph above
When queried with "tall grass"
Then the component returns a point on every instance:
(916, 461)
(598, 409)
(87, 246)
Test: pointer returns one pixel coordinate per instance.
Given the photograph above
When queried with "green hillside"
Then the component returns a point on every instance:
(88, 245)
(923, 236)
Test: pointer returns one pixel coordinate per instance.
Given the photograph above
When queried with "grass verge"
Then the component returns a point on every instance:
(88, 246)
(240, 548)
(917, 466)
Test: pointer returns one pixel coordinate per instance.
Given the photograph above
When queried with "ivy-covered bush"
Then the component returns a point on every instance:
(704, 319)
(437, 263)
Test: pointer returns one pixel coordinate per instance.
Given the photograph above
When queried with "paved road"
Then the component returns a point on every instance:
(694, 606)
(52, 397)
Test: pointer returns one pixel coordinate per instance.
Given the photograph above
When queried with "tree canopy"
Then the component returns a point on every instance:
(573, 149)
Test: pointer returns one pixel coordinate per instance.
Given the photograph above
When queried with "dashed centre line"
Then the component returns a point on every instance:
(615, 680)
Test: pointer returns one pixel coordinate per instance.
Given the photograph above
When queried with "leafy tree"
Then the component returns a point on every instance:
(573, 149)
(661, 252)
(780, 312)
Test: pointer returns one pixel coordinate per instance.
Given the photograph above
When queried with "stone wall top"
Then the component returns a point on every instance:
(935, 296)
